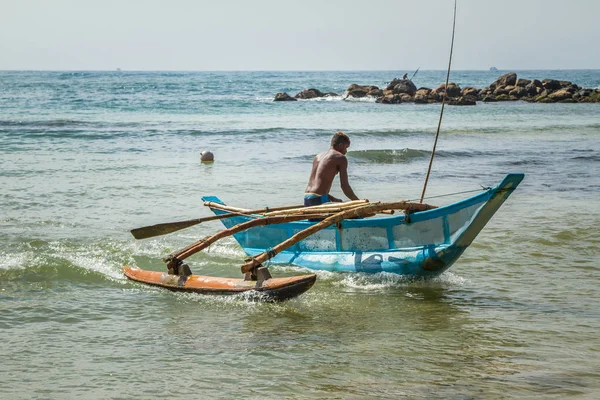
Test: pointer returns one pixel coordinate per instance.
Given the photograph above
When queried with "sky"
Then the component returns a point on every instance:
(201, 35)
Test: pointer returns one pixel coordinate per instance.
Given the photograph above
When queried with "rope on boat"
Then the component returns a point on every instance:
(483, 188)
(442, 111)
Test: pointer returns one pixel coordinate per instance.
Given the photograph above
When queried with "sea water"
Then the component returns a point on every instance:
(87, 156)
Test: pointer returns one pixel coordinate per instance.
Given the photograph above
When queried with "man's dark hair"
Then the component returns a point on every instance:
(339, 138)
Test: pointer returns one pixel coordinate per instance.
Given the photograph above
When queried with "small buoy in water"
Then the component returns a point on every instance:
(207, 156)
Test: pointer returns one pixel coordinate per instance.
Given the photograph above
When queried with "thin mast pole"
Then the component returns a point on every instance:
(442, 111)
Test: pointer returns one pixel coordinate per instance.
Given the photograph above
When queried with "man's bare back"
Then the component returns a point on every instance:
(327, 165)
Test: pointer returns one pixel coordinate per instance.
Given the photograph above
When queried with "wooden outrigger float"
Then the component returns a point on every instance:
(270, 289)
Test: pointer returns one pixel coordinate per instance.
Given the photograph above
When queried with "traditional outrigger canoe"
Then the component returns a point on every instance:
(272, 289)
(424, 243)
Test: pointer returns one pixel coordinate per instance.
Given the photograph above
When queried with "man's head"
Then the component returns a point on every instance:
(340, 142)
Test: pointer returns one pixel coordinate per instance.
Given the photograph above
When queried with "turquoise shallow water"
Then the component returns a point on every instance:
(86, 156)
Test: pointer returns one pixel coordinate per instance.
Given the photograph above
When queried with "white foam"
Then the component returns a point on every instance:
(16, 261)
(91, 258)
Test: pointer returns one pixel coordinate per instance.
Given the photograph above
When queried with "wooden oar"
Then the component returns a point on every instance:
(169, 227)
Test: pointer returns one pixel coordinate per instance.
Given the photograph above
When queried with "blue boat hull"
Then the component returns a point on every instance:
(426, 245)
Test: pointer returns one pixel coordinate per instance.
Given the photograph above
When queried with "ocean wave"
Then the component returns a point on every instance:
(387, 156)
(407, 155)
(73, 134)
(412, 286)
(593, 157)
(61, 123)
(65, 261)
(43, 123)
(520, 163)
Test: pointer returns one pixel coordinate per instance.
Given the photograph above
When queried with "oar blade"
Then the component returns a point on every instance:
(162, 229)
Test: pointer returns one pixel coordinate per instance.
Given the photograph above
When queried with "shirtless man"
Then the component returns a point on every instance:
(325, 167)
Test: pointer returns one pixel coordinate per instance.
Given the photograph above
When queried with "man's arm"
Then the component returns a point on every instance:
(346, 188)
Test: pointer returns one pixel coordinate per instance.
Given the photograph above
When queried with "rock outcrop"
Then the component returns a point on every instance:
(283, 97)
(507, 87)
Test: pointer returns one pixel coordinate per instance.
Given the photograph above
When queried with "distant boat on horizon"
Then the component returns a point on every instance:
(493, 69)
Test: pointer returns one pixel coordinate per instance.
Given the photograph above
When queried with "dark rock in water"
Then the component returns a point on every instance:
(486, 91)
(532, 90)
(463, 101)
(503, 97)
(420, 99)
(375, 92)
(422, 96)
(470, 91)
(572, 88)
(359, 91)
(542, 98)
(404, 86)
(584, 92)
(518, 92)
(453, 90)
(561, 94)
(405, 97)
(564, 84)
(544, 93)
(502, 90)
(489, 99)
(435, 96)
(393, 83)
(523, 82)
(592, 97)
(509, 79)
(283, 97)
(356, 91)
(309, 94)
(551, 84)
(389, 98)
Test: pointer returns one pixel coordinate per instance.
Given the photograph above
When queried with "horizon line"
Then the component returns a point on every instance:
(294, 70)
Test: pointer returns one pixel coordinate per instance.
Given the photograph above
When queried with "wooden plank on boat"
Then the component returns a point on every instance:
(273, 289)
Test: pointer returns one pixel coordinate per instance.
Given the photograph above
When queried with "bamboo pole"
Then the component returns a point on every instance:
(280, 210)
(207, 241)
(224, 207)
(330, 208)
